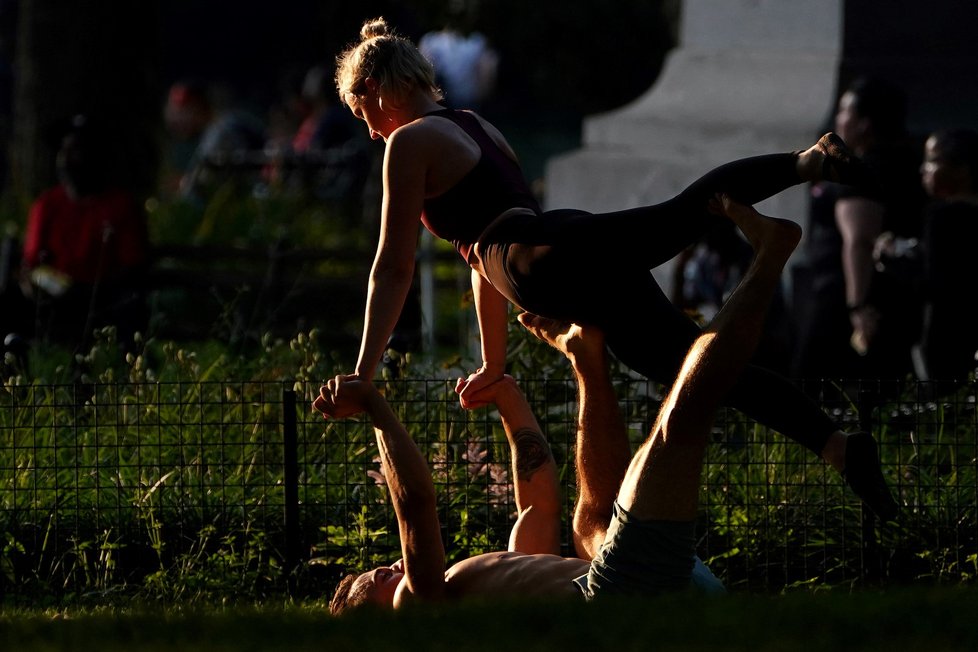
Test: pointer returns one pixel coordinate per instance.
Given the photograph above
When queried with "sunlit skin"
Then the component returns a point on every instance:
(661, 483)
(502, 573)
(531, 566)
(425, 156)
(381, 583)
(940, 178)
(860, 222)
(380, 124)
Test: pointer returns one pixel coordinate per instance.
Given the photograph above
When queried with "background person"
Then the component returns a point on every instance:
(852, 322)
(327, 154)
(940, 264)
(466, 65)
(221, 137)
(86, 246)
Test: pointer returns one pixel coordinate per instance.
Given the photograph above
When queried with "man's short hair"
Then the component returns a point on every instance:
(345, 598)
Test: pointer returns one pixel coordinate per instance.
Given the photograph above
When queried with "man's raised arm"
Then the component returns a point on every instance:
(409, 482)
(537, 528)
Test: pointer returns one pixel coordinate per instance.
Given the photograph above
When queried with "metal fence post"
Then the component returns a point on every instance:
(290, 442)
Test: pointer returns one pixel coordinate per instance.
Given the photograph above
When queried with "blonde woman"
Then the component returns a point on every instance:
(454, 173)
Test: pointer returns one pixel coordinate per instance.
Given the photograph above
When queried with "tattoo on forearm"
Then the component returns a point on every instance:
(531, 451)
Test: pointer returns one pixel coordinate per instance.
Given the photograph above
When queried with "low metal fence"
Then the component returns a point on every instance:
(239, 490)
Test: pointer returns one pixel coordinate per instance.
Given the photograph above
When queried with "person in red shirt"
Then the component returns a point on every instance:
(86, 246)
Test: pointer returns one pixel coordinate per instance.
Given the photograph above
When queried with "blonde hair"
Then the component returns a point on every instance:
(391, 59)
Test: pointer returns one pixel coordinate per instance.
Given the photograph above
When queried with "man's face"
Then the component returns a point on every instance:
(941, 178)
(379, 585)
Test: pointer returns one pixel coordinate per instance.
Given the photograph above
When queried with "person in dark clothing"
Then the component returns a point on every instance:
(856, 323)
(939, 265)
(86, 247)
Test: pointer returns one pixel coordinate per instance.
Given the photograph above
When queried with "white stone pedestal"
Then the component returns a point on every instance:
(748, 77)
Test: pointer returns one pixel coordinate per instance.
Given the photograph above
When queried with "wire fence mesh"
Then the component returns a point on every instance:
(238, 489)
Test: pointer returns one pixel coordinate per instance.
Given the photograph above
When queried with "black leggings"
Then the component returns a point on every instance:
(595, 269)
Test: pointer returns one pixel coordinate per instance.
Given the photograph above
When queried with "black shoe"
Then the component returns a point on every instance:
(841, 165)
(863, 475)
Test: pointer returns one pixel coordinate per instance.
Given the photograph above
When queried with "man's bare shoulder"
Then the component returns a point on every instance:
(514, 574)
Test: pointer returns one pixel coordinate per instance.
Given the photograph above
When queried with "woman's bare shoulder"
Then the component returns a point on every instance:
(496, 135)
(427, 130)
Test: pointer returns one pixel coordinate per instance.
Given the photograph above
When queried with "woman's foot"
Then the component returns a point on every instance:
(568, 338)
(830, 159)
(768, 236)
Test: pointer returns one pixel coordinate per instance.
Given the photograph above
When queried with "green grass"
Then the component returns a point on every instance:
(933, 619)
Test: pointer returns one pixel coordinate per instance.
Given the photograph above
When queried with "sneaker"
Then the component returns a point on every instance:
(865, 478)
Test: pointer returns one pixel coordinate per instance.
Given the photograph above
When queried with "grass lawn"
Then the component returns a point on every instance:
(927, 619)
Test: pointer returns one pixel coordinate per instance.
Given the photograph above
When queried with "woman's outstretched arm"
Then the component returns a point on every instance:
(393, 266)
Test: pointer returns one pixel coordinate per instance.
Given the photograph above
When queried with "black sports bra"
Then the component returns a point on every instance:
(495, 185)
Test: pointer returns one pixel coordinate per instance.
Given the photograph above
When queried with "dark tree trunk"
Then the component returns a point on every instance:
(98, 57)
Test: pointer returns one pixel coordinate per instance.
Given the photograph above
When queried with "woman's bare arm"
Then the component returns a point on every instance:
(393, 267)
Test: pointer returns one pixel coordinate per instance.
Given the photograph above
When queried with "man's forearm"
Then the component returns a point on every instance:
(514, 410)
(405, 469)
(413, 497)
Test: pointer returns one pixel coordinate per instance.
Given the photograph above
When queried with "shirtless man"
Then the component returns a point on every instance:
(642, 540)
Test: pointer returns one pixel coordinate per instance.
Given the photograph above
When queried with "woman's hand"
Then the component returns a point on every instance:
(865, 324)
(471, 390)
(344, 396)
(884, 247)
